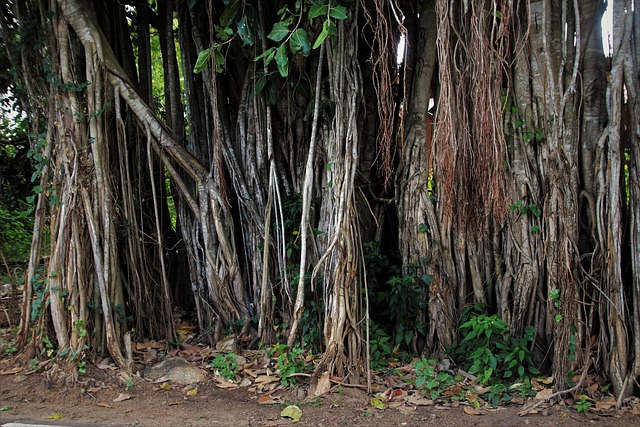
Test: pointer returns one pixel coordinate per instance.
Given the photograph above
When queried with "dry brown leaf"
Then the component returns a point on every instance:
(222, 383)
(121, 397)
(267, 400)
(547, 381)
(104, 405)
(176, 403)
(12, 371)
(543, 394)
(419, 401)
(266, 379)
(606, 403)
(324, 384)
(471, 411)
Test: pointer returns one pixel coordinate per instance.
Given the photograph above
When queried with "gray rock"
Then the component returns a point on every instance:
(176, 370)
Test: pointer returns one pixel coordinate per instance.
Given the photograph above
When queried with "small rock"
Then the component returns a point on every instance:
(176, 370)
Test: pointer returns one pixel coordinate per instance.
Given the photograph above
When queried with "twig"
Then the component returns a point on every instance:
(558, 393)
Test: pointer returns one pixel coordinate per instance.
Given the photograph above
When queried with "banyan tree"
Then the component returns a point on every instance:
(315, 171)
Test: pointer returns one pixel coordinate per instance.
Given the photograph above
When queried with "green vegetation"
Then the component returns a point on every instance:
(226, 365)
(488, 351)
(428, 380)
(289, 362)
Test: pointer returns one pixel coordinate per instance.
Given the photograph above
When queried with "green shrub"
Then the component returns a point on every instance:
(488, 351)
(226, 365)
(15, 234)
(429, 381)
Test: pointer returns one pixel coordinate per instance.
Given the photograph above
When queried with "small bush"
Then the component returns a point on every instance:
(488, 351)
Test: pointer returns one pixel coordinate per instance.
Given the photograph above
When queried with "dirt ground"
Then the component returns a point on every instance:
(101, 398)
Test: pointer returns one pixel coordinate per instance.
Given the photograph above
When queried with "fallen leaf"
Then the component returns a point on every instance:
(6, 408)
(192, 392)
(227, 344)
(104, 405)
(419, 401)
(293, 412)
(471, 411)
(12, 371)
(246, 382)
(547, 381)
(266, 379)
(122, 397)
(222, 383)
(56, 416)
(19, 378)
(176, 403)
(543, 394)
(378, 403)
(165, 386)
(606, 403)
(324, 384)
(267, 400)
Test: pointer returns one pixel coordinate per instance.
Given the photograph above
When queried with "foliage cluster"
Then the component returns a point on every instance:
(289, 362)
(226, 365)
(488, 351)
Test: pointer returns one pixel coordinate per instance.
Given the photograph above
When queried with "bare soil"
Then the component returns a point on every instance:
(89, 400)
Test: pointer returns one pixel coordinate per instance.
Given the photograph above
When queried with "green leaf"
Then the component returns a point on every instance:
(279, 32)
(6, 408)
(267, 55)
(282, 60)
(245, 32)
(219, 61)
(299, 42)
(338, 12)
(318, 10)
(259, 86)
(229, 13)
(521, 370)
(322, 36)
(202, 61)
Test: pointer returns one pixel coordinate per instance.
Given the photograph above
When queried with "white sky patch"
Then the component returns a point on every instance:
(607, 28)
(402, 45)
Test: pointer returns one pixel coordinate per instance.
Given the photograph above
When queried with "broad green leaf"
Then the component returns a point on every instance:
(293, 412)
(229, 13)
(202, 61)
(338, 12)
(279, 32)
(299, 42)
(282, 60)
(321, 37)
(318, 10)
(245, 32)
